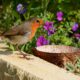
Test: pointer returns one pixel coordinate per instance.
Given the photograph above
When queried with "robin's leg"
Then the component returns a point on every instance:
(24, 55)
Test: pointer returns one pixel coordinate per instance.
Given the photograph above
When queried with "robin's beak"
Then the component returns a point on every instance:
(41, 22)
(37, 23)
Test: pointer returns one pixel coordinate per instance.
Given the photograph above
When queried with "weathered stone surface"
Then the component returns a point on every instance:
(10, 71)
(12, 67)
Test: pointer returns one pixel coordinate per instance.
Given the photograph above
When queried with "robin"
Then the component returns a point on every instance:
(23, 33)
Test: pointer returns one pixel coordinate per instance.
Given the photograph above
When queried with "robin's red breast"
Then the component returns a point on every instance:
(21, 34)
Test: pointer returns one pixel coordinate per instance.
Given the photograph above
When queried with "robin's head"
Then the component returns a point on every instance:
(36, 23)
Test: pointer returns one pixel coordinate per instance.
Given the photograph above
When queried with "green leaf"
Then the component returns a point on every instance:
(23, 48)
(11, 47)
(59, 1)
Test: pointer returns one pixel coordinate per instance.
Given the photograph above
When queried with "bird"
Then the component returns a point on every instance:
(21, 34)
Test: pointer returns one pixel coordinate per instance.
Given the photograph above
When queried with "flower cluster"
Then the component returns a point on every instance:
(21, 9)
(49, 27)
(42, 41)
(75, 27)
(59, 16)
(77, 35)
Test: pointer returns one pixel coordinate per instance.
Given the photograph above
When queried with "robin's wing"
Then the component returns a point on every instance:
(18, 30)
(12, 31)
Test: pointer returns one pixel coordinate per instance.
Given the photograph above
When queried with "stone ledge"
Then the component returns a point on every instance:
(14, 68)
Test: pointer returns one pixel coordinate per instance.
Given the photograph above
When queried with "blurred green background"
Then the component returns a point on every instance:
(45, 9)
(41, 8)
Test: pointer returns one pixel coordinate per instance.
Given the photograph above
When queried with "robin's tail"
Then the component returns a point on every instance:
(1, 38)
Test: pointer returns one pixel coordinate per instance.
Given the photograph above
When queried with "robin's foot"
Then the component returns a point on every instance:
(24, 56)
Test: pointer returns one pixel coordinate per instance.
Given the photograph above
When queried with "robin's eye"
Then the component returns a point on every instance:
(37, 21)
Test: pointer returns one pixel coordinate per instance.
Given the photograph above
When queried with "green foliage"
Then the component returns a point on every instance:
(74, 68)
(45, 9)
(35, 8)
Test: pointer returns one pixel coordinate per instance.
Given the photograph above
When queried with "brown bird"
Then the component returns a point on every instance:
(23, 33)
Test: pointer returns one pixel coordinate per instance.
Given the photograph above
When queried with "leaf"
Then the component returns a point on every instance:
(59, 1)
(11, 47)
(23, 48)
(69, 67)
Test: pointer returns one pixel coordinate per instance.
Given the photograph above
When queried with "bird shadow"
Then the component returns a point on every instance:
(6, 52)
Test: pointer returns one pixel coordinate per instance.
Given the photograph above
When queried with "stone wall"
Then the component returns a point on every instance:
(12, 67)
(10, 72)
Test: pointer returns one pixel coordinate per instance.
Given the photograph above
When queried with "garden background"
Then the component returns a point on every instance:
(62, 20)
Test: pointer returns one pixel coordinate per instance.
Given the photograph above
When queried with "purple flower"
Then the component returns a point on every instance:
(50, 32)
(42, 41)
(59, 16)
(75, 27)
(21, 8)
(59, 13)
(77, 35)
(49, 27)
